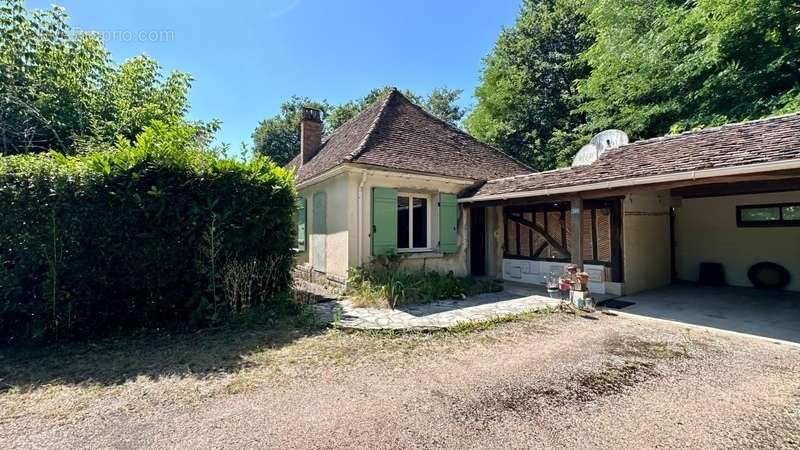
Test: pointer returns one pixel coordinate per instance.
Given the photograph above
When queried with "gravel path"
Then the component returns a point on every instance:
(604, 381)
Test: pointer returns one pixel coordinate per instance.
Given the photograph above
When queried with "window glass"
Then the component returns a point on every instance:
(791, 212)
(403, 218)
(761, 214)
(420, 225)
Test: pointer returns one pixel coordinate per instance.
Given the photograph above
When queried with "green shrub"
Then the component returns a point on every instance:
(384, 284)
(136, 237)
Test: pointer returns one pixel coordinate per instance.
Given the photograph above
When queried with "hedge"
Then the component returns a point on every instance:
(140, 236)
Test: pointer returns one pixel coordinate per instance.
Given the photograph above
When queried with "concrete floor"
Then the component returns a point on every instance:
(770, 315)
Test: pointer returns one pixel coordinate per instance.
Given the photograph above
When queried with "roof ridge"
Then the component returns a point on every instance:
(709, 129)
(342, 126)
(460, 131)
(373, 126)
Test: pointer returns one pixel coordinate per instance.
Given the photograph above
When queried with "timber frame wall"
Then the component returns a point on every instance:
(535, 237)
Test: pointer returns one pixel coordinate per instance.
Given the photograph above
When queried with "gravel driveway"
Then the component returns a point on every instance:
(553, 381)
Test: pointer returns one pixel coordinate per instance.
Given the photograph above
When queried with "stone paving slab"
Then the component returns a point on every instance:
(437, 315)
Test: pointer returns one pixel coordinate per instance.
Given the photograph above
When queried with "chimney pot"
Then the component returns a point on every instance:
(310, 133)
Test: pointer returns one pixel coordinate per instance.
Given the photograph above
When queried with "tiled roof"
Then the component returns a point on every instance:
(739, 144)
(394, 133)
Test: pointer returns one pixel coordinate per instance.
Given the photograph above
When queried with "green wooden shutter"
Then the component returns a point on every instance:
(301, 225)
(448, 223)
(384, 221)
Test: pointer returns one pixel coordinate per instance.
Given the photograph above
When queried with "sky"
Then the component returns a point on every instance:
(248, 56)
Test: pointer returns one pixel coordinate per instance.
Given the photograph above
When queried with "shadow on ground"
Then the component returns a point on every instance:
(154, 355)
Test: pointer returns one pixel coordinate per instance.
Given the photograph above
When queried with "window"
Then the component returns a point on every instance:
(413, 222)
(525, 226)
(777, 215)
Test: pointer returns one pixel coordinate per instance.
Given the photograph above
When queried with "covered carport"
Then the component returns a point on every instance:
(765, 314)
(733, 226)
(725, 198)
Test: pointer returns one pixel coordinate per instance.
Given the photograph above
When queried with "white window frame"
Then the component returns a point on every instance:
(428, 237)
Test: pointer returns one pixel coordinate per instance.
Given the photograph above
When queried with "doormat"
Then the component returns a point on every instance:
(615, 304)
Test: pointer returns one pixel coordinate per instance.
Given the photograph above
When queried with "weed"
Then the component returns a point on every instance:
(613, 378)
(470, 326)
(384, 284)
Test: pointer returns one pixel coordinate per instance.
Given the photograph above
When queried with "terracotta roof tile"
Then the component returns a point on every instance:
(395, 133)
(739, 144)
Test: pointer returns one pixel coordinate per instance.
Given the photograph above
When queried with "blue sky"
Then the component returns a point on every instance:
(248, 56)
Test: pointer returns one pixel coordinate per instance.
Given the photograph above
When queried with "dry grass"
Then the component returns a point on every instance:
(125, 375)
(548, 381)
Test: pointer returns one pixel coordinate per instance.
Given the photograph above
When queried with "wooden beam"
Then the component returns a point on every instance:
(594, 235)
(539, 250)
(535, 227)
(617, 275)
(745, 187)
(576, 244)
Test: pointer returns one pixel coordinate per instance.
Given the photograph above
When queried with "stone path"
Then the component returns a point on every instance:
(437, 315)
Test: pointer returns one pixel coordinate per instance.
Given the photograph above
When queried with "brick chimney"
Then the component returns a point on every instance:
(310, 133)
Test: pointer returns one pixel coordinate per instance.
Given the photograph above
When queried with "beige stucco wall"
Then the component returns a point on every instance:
(340, 221)
(342, 249)
(646, 241)
(456, 262)
(706, 231)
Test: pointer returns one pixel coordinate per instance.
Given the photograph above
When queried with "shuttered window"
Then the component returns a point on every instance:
(402, 222)
(448, 223)
(301, 225)
(384, 221)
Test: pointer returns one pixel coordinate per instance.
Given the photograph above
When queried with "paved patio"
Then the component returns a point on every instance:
(515, 299)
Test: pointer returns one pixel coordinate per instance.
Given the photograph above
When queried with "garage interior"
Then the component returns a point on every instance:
(728, 227)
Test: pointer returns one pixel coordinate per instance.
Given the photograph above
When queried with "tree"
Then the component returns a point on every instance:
(442, 104)
(668, 66)
(59, 89)
(527, 97)
(278, 136)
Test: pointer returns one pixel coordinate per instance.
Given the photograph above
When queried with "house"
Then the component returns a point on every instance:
(388, 181)
(645, 214)
(635, 216)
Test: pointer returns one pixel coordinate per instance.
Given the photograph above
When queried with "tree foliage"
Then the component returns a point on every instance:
(278, 136)
(662, 66)
(135, 237)
(571, 68)
(59, 88)
(527, 98)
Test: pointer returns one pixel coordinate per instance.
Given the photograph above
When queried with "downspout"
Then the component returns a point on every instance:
(360, 220)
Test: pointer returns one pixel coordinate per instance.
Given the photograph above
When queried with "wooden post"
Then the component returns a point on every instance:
(576, 225)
